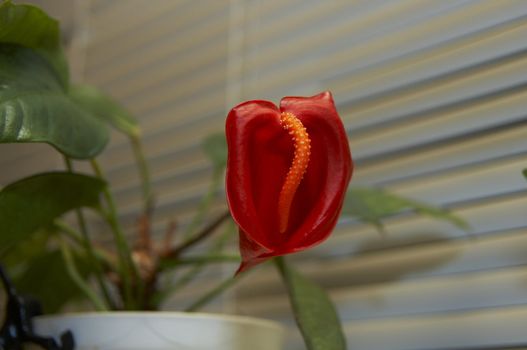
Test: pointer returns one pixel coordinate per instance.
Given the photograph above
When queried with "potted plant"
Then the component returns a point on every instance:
(287, 173)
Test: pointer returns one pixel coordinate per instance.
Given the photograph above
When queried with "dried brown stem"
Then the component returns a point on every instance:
(168, 238)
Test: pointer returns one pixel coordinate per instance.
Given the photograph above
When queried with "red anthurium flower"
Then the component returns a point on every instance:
(287, 174)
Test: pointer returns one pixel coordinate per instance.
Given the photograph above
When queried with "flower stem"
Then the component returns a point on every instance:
(77, 278)
(207, 259)
(128, 269)
(88, 246)
(196, 269)
(144, 172)
(213, 293)
(207, 231)
(104, 257)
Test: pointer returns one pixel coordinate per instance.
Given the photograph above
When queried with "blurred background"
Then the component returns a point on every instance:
(433, 95)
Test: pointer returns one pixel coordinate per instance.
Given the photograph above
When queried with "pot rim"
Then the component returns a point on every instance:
(166, 315)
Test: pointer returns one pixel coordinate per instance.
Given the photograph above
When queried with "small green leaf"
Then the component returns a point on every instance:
(29, 26)
(314, 312)
(371, 205)
(525, 173)
(215, 147)
(34, 202)
(34, 107)
(102, 106)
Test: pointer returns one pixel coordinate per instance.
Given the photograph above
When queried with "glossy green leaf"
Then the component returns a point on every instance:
(315, 313)
(104, 107)
(46, 279)
(371, 205)
(34, 202)
(34, 107)
(215, 147)
(29, 26)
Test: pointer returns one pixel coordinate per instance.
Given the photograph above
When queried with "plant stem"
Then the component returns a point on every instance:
(77, 278)
(88, 246)
(280, 264)
(209, 296)
(205, 203)
(207, 231)
(103, 256)
(213, 258)
(189, 275)
(69, 231)
(144, 172)
(128, 268)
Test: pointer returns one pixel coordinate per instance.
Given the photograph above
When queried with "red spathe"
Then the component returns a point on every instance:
(260, 155)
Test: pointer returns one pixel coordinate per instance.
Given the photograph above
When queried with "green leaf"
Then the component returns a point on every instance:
(46, 279)
(525, 173)
(314, 312)
(102, 106)
(215, 147)
(34, 107)
(29, 26)
(371, 205)
(34, 202)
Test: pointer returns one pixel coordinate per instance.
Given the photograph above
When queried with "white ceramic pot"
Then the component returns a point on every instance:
(164, 331)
